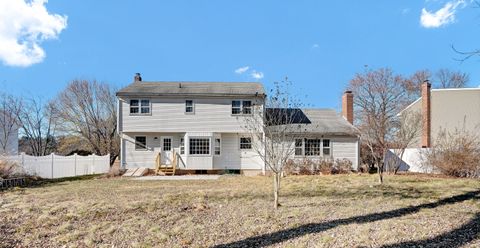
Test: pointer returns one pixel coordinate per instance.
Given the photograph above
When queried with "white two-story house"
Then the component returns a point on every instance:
(203, 123)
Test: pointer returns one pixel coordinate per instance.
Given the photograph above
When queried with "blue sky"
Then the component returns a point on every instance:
(319, 45)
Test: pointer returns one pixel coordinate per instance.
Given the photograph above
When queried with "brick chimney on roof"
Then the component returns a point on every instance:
(137, 77)
(347, 106)
(426, 114)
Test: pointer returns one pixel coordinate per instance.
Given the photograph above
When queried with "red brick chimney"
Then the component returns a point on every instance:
(347, 106)
(426, 114)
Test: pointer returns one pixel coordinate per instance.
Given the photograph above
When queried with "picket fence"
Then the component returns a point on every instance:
(56, 166)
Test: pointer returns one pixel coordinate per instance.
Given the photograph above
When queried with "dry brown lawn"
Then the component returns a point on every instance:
(235, 211)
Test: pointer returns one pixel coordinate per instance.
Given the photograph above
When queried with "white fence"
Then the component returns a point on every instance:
(413, 160)
(56, 166)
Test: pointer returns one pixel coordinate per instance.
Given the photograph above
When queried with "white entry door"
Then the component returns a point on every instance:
(166, 144)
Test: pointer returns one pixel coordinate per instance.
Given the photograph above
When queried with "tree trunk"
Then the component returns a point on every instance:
(380, 173)
(276, 189)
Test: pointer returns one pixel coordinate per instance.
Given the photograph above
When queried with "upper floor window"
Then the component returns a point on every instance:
(140, 106)
(245, 143)
(241, 107)
(189, 106)
(236, 107)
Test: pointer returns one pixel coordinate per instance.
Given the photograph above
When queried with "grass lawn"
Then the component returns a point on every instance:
(317, 211)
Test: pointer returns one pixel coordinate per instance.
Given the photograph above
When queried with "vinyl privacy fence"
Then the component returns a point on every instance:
(56, 166)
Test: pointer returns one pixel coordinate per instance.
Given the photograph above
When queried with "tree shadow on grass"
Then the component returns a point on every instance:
(291, 233)
(455, 238)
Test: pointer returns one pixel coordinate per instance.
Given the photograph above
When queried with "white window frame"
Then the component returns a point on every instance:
(302, 147)
(329, 148)
(182, 146)
(200, 155)
(135, 143)
(219, 146)
(319, 148)
(193, 107)
(242, 108)
(240, 143)
(139, 107)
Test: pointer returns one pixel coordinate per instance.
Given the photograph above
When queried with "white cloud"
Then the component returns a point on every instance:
(257, 75)
(242, 69)
(441, 17)
(23, 26)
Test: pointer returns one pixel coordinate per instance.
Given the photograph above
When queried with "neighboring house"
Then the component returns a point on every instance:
(8, 136)
(446, 109)
(203, 122)
(441, 110)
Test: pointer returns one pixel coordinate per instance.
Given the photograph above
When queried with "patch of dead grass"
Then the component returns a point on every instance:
(122, 212)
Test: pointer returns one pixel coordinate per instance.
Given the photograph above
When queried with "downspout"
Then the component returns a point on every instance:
(264, 138)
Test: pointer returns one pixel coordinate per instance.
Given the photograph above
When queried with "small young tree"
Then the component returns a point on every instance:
(9, 111)
(274, 130)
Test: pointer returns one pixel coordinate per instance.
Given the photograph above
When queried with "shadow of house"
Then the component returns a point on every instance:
(291, 233)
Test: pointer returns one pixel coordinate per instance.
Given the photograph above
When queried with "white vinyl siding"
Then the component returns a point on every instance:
(168, 115)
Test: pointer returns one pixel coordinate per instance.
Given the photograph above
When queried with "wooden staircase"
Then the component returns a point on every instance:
(165, 169)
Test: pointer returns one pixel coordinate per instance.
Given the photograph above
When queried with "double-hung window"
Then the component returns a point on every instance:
(242, 107)
(245, 143)
(312, 147)
(140, 143)
(189, 106)
(236, 107)
(199, 146)
(326, 148)
(247, 107)
(140, 106)
(217, 147)
(298, 147)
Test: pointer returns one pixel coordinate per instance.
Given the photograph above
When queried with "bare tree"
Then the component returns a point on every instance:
(9, 111)
(379, 96)
(449, 79)
(88, 109)
(274, 130)
(38, 126)
(408, 132)
(443, 78)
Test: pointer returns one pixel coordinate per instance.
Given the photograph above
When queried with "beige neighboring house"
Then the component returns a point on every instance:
(446, 109)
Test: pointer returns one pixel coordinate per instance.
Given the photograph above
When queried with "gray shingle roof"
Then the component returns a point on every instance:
(143, 88)
(325, 122)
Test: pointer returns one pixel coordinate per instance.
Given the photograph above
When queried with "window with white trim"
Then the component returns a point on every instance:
(298, 147)
(167, 144)
(140, 106)
(182, 146)
(245, 143)
(189, 106)
(326, 148)
(140, 143)
(236, 107)
(247, 107)
(217, 148)
(312, 147)
(199, 146)
(242, 107)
